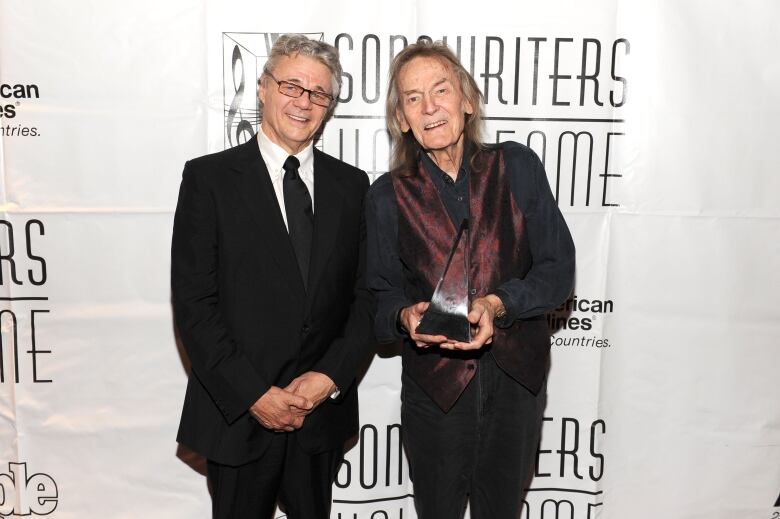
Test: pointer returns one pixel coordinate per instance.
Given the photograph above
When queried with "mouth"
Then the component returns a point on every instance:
(435, 124)
(298, 118)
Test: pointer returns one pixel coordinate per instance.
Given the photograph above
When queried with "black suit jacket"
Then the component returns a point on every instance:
(240, 306)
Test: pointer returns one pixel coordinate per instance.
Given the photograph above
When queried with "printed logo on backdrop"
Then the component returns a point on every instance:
(13, 100)
(560, 95)
(376, 466)
(569, 465)
(577, 323)
(24, 495)
(243, 57)
(23, 307)
(776, 514)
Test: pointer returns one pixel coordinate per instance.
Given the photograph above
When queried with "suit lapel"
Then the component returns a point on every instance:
(328, 203)
(257, 192)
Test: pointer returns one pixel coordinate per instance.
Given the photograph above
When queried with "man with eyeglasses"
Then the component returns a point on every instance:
(269, 298)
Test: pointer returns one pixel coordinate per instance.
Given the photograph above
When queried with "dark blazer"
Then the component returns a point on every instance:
(240, 306)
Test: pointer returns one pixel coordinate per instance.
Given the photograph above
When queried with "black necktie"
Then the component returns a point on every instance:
(300, 218)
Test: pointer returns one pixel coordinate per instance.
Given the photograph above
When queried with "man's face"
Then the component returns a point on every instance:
(432, 104)
(292, 122)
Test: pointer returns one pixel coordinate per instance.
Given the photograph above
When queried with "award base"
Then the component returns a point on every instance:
(452, 326)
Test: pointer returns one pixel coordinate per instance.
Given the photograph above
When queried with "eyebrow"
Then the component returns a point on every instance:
(317, 88)
(439, 82)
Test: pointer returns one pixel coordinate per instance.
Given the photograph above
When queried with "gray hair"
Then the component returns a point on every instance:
(404, 146)
(291, 45)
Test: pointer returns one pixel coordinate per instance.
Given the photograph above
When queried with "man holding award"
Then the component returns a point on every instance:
(467, 251)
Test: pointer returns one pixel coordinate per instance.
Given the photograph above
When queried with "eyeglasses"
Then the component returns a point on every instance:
(317, 97)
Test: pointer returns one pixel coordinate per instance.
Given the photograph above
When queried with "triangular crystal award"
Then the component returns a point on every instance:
(449, 306)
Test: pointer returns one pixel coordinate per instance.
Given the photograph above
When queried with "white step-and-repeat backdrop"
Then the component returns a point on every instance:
(658, 126)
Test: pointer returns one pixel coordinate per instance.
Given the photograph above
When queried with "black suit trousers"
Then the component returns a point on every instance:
(301, 481)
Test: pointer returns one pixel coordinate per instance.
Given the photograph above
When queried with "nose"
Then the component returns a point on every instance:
(428, 104)
(303, 102)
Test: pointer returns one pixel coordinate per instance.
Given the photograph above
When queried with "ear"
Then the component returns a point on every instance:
(399, 116)
(261, 89)
(467, 106)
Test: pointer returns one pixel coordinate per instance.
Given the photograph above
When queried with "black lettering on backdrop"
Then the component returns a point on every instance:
(559, 60)
(10, 322)
(494, 51)
(24, 496)
(9, 256)
(555, 76)
(33, 351)
(584, 76)
(7, 111)
(371, 460)
(42, 262)
(536, 41)
(495, 75)
(371, 437)
(539, 453)
(596, 455)
(376, 62)
(19, 91)
(607, 174)
(576, 138)
(615, 77)
(397, 452)
(563, 451)
(472, 53)
(556, 505)
(574, 164)
(570, 448)
(517, 70)
(15, 334)
(20, 321)
(394, 38)
(33, 229)
(345, 95)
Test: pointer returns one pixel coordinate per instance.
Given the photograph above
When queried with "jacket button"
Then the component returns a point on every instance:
(305, 328)
(473, 291)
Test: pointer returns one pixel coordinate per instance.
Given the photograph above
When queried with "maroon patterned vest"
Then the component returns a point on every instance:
(498, 251)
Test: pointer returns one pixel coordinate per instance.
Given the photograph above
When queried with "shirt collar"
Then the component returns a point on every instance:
(274, 156)
(438, 174)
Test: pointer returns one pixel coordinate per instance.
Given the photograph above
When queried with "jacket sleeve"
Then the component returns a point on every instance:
(217, 360)
(385, 270)
(551, 278)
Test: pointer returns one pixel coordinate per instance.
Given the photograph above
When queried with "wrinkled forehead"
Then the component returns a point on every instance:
(432, 68)
(298, 67)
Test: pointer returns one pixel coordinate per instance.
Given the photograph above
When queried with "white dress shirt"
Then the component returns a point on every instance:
(274, 157)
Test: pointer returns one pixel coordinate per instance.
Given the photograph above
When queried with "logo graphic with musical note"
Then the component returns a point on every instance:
(243, 57)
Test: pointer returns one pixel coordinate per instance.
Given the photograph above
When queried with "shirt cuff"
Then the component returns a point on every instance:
(511, 312)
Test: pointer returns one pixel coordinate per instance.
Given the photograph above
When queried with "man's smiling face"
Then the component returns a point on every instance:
(292, 122)
(432, 104)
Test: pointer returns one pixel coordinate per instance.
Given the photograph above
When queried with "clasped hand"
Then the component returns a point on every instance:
(481, 314)
(284, 409)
